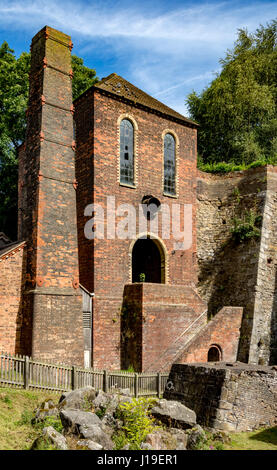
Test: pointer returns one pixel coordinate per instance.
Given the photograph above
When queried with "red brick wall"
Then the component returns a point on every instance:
(48, 203)
(97, 157)
(12, 267)
(223, 331)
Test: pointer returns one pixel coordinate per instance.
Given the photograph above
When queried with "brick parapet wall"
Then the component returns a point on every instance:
(164, 318)
(236, 397)
(223, 332)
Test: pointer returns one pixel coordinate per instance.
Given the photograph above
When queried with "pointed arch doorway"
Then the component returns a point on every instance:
(148, 261)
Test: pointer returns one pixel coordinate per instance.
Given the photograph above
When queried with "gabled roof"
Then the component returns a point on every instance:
(118, 86)
(10, 249)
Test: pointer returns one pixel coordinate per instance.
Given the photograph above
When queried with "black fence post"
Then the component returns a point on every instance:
(74, 378)
(106, 381)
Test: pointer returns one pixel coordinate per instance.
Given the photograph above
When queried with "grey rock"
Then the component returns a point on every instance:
(79, 399)
(88, 444)
(146, 446)
(72, 420)
(155, 440)
(174, 413)
(57, 439)
(47, 408)
(180, 436)
(96, 434)
(195, 437)
(181, 446)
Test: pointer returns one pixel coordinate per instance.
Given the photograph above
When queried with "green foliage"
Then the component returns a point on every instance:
(53, 421)
(246, 227)
(237, 112)
(136, 422)
(142, 277)
(26, 417)
(14, 87)
(223, 167)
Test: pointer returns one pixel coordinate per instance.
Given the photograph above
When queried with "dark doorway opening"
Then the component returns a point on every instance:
(214, 354)
(147, 261)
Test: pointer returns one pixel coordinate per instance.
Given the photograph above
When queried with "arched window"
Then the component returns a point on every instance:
(169, 164)
(126, 152)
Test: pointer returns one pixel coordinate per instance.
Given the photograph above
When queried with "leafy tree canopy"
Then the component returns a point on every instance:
(237, 112)
(14, 87)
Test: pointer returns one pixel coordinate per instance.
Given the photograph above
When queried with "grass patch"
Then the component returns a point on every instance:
(261, 439)
(16, 412)
(223, 167)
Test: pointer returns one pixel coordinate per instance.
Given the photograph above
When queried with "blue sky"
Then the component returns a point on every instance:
(166, 48)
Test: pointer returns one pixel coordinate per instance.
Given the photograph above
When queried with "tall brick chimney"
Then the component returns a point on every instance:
(48, 203)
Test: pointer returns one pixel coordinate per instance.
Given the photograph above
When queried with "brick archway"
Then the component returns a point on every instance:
(148, 261)
(214, 353)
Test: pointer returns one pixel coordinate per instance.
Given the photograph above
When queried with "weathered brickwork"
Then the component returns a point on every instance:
(158, 320)
(12, 273)
(231, 397)
(105, 265)
(48, 203)
(222, 332)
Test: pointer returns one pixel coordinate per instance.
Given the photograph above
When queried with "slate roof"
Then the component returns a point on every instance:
(8, 249)
(118, 86)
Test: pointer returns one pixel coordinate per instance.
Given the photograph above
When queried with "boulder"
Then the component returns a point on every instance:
(47, 408)
(174, 413)
(72, 420)
(155, 440)
(87, 444)
(96, 434)
(196, 436)
(146, 446)
(57, 439)
(80, 399)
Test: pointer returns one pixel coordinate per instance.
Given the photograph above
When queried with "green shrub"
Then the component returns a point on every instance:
(136, 422)
(247, 227)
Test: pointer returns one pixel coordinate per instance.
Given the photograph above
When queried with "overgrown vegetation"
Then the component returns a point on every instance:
(237, 112)
(223, 167)
(16, 413)
(136, 422)
(247, 227)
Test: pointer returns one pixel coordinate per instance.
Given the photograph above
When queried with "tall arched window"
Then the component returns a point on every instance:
(169, 164)
(126, 152)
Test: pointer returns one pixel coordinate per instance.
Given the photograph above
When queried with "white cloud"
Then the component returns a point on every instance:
(164, 53)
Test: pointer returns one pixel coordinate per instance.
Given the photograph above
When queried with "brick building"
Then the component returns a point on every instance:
(72, 295)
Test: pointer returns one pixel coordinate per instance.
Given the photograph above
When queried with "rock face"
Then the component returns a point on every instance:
(73, 420)
(47, 408)
(174, 413)
(86, 425)
(78, 399)
(88, 445)
(58, 440)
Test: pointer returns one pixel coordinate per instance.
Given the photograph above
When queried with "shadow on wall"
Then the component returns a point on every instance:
(273, 335)
(24, 320)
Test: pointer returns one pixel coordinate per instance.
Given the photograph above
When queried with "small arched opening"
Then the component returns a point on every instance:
(148, 261)
(214, 353)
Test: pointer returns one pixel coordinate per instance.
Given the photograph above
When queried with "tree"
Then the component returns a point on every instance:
(237, 112)
(14, 86)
